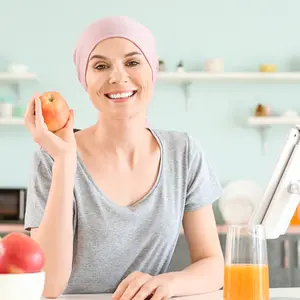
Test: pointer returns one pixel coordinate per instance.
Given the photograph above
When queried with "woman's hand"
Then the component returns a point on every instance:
(139, 286)
(59, 144)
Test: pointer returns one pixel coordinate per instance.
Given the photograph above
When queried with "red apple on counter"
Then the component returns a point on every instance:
(19, 253)
(55, 110)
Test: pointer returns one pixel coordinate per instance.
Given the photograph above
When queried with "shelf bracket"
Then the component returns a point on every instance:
(16, 89)
(263, 137)
(186, 93)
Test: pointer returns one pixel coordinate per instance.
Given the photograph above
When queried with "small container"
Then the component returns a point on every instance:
(262, 110)
(6, 110)
(268, 68)
(162, 65)
(214, 65)
(18, 68)
(180, 67)
(290, 114)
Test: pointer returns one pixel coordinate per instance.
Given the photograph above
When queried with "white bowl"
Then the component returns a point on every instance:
(27, 286)
(18, 68)
(239, 200)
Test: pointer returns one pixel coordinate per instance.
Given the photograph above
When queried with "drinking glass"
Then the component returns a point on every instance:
(246, 264)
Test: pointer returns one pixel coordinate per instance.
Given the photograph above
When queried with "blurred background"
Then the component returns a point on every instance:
(213, 37)
(241, 35)
(229, 76)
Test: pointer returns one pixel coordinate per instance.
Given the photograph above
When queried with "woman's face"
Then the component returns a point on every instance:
(119, 78)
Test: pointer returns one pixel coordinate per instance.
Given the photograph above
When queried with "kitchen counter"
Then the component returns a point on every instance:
(291, 230)
(222, 229)
(6, 228)
(280, 294)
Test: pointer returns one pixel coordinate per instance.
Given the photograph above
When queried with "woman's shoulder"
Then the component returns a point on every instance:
(41, 159)
(179, 141)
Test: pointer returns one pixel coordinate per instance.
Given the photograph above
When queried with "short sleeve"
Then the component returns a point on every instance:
(38, 189)
(203, 186)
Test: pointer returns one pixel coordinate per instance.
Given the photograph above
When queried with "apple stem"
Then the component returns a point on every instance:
(51, 99)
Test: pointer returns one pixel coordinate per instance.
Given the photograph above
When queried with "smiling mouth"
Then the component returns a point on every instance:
(120, 96)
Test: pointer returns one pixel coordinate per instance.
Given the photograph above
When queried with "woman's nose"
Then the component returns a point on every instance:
(118, 75)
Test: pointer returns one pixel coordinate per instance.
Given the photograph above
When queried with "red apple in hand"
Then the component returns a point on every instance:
(19, 253)
(55, 110)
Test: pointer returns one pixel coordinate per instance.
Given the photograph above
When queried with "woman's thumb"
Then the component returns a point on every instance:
(70, 123)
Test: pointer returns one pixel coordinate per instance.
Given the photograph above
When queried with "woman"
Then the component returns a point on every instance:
(106, 203)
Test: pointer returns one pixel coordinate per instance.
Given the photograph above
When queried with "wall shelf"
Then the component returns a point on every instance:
(264, 123)
(14, 77)
(11, 121)
(269, 121)
(187, 78)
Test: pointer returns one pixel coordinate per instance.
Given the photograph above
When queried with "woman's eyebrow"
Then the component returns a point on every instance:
(98, 56)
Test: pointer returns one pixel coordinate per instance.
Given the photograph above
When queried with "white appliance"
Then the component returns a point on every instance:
(239, 200)
(282, 194)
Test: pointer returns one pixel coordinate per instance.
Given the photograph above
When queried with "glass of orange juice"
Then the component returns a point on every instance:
(246, 264)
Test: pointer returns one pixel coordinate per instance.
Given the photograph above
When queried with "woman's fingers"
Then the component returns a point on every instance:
(39, 119)
(29, 115)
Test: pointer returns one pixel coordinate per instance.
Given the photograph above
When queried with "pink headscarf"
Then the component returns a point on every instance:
(116, 26)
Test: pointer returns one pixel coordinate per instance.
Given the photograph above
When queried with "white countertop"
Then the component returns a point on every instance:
(222, 229)
(289, 293)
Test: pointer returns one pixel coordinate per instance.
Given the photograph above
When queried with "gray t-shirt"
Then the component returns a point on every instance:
(111, 241)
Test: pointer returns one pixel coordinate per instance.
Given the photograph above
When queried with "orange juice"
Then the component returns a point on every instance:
(296, 217)
(246, 282)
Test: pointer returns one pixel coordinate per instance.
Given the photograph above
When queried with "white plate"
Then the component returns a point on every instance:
(239, 200)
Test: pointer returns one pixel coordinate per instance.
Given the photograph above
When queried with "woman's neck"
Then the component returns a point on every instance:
(123, 138)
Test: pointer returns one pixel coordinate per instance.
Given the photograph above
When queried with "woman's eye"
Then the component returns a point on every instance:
(132, 63)
(101, 67)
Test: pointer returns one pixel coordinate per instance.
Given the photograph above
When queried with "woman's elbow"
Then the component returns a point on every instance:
(219, 272)
(53, 290)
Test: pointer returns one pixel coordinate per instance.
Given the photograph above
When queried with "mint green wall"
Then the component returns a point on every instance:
(42, 35)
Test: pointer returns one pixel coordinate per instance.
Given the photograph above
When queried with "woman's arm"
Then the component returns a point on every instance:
(204, 275)
(55, 233)
(49, 208)
(206, 272)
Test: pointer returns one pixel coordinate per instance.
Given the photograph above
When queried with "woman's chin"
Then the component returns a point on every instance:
(126, 115)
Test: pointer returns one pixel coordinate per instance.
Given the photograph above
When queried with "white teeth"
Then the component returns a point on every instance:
(119, 96)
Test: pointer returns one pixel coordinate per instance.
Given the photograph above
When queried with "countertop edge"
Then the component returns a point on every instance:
(290, 293)
(222, 229)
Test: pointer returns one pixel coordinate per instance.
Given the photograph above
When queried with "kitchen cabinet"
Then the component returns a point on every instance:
(295, 259)
(280, 265)
(181, 256)
(283, 259)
